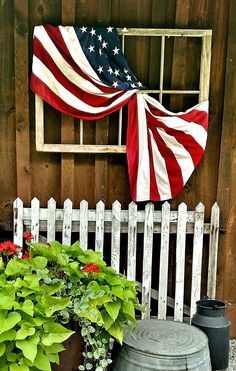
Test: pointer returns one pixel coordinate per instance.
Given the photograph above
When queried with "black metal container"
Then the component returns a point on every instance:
(210, 318)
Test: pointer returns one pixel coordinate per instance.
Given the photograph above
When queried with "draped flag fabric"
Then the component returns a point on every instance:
(82, 72)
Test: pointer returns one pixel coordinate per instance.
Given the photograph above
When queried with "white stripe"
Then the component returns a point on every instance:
(160, 170)
(181, 154)
(64, 67)
(44, 74)
(201, 106)
(196, 131)
(72, 42)
(143, 176)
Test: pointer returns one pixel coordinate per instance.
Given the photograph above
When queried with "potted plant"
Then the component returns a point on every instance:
(91, 296)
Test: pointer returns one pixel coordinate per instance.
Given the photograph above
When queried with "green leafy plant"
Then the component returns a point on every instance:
(44, 287)
(30, 335)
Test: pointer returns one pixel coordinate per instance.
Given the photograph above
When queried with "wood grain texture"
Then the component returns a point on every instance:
(22, 99)
(67, 122)
(227, 179)
(7, 115)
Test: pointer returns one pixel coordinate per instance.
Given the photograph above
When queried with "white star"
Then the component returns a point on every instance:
(109, 29)
(116, 50)
(125, 70)
(93, 32)
(100, 51)
(100, 69)
(115, 84)
(116, 72)
(91, 48)
(83, 29)
(133, 86)
(139, 84)
(104, 44)
(128, 77)
(110, 70)
(100, 37)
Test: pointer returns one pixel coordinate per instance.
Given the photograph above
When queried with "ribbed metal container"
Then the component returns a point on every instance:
(163, 345)
(210, 318)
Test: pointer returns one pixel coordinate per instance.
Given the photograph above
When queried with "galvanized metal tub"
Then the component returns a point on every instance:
(163, 345)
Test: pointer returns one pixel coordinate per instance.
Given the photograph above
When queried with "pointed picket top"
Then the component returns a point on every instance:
(132, 241)
(67, 222)
(35, 204)
(115, 236)
(51, 221)
(200, 207)
(180, 262)
(99, 232)
(213, 251)
(18, 222)
(83, 234)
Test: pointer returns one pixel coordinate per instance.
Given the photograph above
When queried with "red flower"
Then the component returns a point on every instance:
(28, 236)
(91, 267)
(26, 256)
(9, 247)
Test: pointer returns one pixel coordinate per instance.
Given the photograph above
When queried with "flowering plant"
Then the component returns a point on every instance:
(100, 300)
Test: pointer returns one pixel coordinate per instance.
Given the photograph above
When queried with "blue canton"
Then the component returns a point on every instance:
(101, 45)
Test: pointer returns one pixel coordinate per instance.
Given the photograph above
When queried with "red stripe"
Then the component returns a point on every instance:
(197, 116)
(88, 98)
(56, 37)
(132, 145)
(189, 143)
(154, 193)
(50, 97)
(173, 169)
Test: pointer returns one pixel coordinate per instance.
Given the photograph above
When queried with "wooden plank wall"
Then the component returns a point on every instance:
(27, 173)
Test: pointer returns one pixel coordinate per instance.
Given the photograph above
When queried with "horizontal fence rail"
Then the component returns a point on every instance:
(133, 222)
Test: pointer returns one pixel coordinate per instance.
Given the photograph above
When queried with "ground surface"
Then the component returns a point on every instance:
(232, 356)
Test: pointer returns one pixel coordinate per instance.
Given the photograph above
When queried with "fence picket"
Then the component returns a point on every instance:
(35, 219)
(197, 257)
(164, 259)
(51, 221)
(213, 251)
(115, 236)
(67, 221)
(18, 222)
(83, 234)
(132, 242)
(99, 235)
(147, 259)
(180, 262)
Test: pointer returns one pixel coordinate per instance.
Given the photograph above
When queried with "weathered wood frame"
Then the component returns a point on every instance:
(202, 93)
(132, 222)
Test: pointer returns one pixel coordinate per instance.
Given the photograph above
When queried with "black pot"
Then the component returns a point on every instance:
(210, 318)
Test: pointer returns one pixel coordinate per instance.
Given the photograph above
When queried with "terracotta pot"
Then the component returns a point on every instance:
(71, 357)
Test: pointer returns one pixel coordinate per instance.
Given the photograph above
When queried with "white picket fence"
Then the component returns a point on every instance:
(82, 221)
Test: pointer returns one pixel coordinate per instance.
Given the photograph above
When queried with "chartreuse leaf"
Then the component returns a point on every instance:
(113, 279)
(39, 262)
(42, 362)
(118, 291)
(8, 323)
(55, 333)
(2, 348)
(54, 348)
(50, 252)
(106, 319)
(116, 330)
(53, 304)
(113, 309)
(11, 357)
(7, 335)
(29, 347)
(52, 288)
(16, 367)
(24, 331)
(28, 307)
(53, 358)
(128, 310)
(31, 282)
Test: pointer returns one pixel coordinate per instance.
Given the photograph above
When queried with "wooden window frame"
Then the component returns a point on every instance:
(202, 92)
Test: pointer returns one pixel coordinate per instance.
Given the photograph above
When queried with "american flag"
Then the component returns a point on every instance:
(82, 72)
